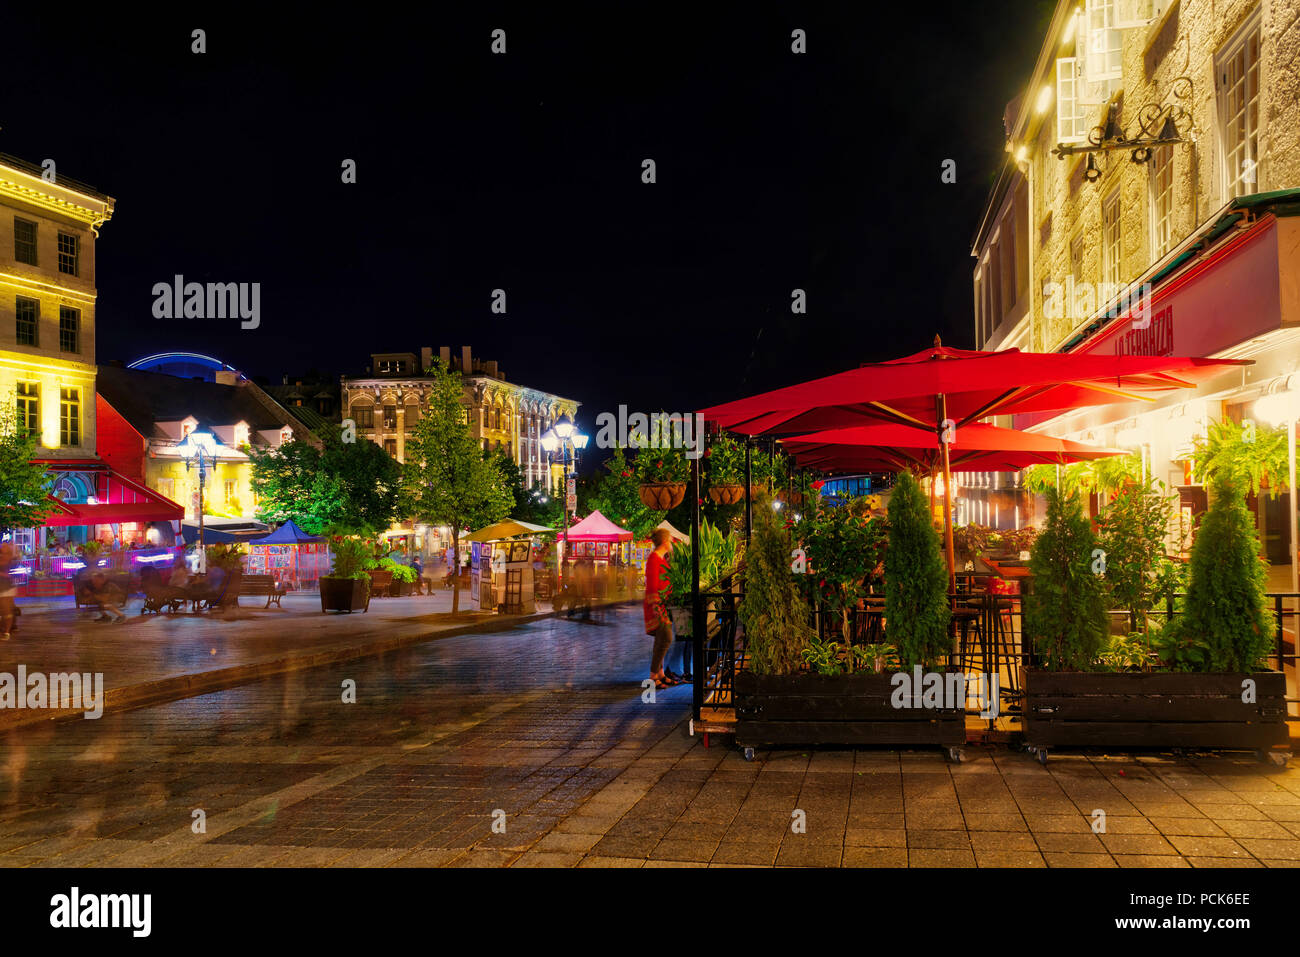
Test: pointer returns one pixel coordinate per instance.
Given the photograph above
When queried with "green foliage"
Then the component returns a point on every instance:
(350, 485)
(831, 658)
(1179, 648)
(1132, 531)
(227, 556)
(971, 541)
(726, 461)
(23, 484)
(773, 611)
(661, 457)
(844, 545)
(617, 496)
(448, 479)
(916, 580)
(1226, 607)
(1248, 456)
(824, 657)
(1099, 475)
(91, 549)
(719, 556)
(351, 556)
(1064, 614)
(1129, 652)
(878, 656)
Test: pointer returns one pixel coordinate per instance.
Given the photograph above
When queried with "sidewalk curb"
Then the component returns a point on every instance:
(178, 687)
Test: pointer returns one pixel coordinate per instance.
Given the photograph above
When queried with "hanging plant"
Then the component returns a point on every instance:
(661, 465)
(1249, 457)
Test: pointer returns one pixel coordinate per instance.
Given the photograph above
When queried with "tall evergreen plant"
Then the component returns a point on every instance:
(1065, 614)
(1227, 607)
(776, 616)
(916, 581)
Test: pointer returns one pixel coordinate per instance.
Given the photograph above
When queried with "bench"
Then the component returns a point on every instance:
(259, 585)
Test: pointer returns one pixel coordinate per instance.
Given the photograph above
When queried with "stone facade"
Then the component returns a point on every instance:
(47, 305)
(1046, 223)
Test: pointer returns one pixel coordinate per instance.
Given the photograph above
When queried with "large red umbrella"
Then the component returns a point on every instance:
(973, 448)
(958, 386)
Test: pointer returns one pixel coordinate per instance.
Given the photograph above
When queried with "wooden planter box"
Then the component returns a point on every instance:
(1154, 710)
(398, 589)
(344, 594)
(856, 709)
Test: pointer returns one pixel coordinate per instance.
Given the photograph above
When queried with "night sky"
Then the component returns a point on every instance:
(478, 171)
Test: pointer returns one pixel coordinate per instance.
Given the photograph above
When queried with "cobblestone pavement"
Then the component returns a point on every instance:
(543, 728)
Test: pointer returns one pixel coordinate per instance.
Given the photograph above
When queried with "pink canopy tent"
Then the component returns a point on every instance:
(598, 530)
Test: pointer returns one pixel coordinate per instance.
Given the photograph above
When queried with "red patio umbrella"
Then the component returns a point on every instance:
(941, 385)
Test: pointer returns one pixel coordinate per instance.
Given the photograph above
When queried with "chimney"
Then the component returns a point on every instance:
(285, 381)
(445, 353)
(466, 361)
(426, 359)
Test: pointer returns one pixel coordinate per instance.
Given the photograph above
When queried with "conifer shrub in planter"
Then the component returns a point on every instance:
(1205, 687)
(803, 691)
(347, 587)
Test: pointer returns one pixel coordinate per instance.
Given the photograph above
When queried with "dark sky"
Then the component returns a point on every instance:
(523, 172)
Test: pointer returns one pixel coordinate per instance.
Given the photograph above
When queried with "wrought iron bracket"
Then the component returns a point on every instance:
(1157, 124)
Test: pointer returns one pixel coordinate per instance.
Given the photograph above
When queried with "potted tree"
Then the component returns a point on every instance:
(802, 690)
(1206, 685)
(347, 587)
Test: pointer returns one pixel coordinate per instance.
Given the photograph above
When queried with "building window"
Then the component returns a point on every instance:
(167, 488)
(69, 417)
(232, 490)
(68, 253)
(28, 311)
(1110, 241)
(69, 330)
(24, 241)
(29, 408)
(1071, 119)
(390, 416)
(1237, 76)
(390, 446)
(364, 416)
(412, 415)
(1104, 59)
(1162, 201)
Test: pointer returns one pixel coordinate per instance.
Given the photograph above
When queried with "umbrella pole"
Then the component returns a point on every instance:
(941, 411)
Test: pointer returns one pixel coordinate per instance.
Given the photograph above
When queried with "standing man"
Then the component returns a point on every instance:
(8, 590)
(657, 622)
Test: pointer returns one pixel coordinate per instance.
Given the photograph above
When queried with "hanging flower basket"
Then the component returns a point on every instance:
(726, 494)
(792, 497)
(663, 496)
(756, 489)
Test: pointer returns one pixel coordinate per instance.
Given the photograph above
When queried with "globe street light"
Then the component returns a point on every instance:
(564, 437)
(200, 448)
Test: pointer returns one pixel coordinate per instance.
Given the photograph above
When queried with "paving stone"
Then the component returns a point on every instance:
(731, 852)
(875, 857)
(994, 857)
(927, 857)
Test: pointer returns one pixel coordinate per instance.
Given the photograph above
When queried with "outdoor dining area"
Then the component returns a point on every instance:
(840, 612)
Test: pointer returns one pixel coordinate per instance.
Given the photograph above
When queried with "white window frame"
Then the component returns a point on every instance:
(1160, 189)
(1071, 118)
(1103, 62)
(1111, 248)
(1235, 175)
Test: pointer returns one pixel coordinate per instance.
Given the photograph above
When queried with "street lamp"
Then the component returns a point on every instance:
(1282, 405)
(200, 448)
(564, 437)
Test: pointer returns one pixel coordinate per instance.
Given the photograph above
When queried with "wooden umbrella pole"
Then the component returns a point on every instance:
(941, 413)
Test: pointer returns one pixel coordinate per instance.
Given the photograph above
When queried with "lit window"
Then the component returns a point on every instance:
(24, 241)
(68, 253)
(69, 417)
(1237, 77)
(69, 330)
(1071, 122)
(29, 408)
(1162, 201)
(1110, 239)
(28, 311)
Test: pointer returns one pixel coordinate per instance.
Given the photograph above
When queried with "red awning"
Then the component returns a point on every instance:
(119, 499)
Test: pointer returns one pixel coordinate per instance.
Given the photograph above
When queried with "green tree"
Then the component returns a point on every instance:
(844, 545)
(1226, 609)
(916, 580)
(776, 616)
(448, 479)
(23, 484)
(617, 495)
(1132, 531)
(345, 485)
(1065, 614)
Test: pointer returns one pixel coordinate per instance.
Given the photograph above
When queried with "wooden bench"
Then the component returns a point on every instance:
(259, 585)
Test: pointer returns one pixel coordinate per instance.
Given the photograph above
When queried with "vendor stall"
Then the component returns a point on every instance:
(501, 567)
(290, 556)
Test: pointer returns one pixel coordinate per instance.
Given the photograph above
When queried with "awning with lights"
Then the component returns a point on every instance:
(117, 499)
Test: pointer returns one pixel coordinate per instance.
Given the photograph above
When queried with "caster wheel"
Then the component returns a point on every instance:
(1278, 759)
(956, 755)
(749, 754)
(1041, 754)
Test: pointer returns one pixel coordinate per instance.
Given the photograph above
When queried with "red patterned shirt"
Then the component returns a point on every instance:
(656, 590)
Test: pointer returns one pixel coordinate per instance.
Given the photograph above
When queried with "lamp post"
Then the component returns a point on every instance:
(564, 437)
(1279, 406)
(199, 448)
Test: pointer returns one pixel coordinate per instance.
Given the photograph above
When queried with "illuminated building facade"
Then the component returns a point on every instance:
(1149, 205)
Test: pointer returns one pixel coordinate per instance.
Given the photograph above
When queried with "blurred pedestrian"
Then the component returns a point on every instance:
(419, 574)
(657, 623)
(8, 590)
(107, 596)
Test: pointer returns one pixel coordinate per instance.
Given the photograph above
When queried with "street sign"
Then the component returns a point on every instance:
(571, 502)
(572, 486)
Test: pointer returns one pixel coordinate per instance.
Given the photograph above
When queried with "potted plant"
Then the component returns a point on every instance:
(661, 466)
(802, 689)
(719, 557)
(347, 587)
(403, 578)
(726, 458)
(1198, 682)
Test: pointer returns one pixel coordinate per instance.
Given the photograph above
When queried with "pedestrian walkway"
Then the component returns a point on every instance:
(160, 657)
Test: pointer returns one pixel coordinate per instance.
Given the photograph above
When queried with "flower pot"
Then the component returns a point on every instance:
(344, 594)
(663, 496)
(726, 494)
(399, 589)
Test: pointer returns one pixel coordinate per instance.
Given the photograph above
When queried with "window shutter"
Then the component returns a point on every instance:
(1069, 114)
(1104, 61)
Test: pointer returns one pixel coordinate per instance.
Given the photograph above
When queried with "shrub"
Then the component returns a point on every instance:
(1064, 615)
(1226, 607)
(774, 612)
(916, 581)
(351, 557)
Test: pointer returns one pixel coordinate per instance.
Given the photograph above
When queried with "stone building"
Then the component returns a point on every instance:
(386, 405)
(1150, 205)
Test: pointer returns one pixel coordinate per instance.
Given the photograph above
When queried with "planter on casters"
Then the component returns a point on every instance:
(344, 594)
(854, 709)
(1156, 710)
